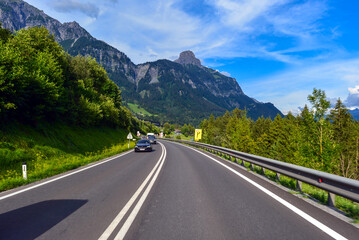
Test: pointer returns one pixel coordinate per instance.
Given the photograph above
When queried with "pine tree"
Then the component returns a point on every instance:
(346, 139)
(260, 127)
(308, 143)
(238, 132)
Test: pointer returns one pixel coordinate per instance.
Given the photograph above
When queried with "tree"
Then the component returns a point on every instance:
(31, 75)
(346, 139)
(39, 81)
(166, 128)
(5, 34)
(320, 106)
(184, 130)
(238, 132)
(208, 130)
(260, 127)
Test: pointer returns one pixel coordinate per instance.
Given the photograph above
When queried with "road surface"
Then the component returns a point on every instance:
(174, 192)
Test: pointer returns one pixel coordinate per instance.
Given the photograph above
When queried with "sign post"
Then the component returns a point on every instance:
(129, 137)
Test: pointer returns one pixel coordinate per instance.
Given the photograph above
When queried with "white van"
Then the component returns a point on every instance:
(152, 138)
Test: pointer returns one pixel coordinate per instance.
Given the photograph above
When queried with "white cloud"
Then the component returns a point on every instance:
(352, 100)
(68, 6)
(225, 73)
(239, 14)
(300, 20)
(354, 90)
(290, 89)
(229, 30)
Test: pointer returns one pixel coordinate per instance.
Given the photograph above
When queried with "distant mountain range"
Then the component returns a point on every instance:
(181, 91)
(355, 113)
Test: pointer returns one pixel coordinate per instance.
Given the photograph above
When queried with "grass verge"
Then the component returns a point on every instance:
(50, 149)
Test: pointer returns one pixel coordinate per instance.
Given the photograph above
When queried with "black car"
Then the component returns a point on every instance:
(152, 139)
(143, 145)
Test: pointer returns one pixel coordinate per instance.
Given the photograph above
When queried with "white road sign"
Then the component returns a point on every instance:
(129, 136)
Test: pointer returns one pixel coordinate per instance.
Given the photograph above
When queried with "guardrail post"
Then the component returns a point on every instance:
(263, 171)
(299, 186)
(251, 166)
(242, 162)
(277, 176)
(331, 199)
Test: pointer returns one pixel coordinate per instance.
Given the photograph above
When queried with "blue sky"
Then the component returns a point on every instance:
(278, 50)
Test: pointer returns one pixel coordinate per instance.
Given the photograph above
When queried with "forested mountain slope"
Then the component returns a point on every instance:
(178, 91)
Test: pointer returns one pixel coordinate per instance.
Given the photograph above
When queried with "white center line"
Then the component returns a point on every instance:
(121, 234)
(106, 234)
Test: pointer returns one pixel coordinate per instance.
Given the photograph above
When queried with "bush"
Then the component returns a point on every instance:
(9, 158)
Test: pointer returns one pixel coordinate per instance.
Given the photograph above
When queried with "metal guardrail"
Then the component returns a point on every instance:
(333, 184)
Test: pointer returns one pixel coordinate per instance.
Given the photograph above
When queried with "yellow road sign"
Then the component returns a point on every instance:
(198, 134)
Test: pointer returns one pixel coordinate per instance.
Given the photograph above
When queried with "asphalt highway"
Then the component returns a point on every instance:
(173, 192)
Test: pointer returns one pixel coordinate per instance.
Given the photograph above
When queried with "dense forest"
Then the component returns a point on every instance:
(320, 138)
(40, 82)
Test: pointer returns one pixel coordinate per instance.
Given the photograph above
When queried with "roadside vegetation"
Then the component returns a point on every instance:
(50, 149)
(57, 112)
(317, 138)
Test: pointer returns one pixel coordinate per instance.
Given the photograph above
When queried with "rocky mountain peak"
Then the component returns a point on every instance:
(72, 30)
(73, 24)
(17, 14)
(188, 57)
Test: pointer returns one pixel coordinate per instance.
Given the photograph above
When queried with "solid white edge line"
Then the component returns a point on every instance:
(126, 226)
(106, 234)
(304, 215)
(63, 176)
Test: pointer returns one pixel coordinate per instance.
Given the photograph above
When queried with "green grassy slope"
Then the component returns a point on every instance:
(137, 109)
(50, 149)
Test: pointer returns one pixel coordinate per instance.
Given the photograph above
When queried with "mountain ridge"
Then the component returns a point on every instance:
(174, 91)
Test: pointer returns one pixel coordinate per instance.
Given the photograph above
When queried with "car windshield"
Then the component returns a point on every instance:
(151, 136)
(142, 141)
